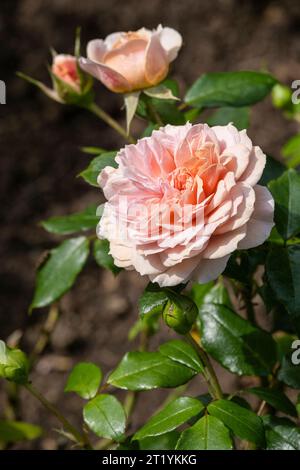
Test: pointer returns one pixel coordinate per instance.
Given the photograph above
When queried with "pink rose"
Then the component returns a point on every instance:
(64, 67)
(181, 201)
(124, 62)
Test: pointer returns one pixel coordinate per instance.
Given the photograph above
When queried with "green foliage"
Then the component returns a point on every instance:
(177, 412)
(229, 89)
(275, 398)
(58, 273)
(84, 380)
(182, 352)
(162, 442)
(16, 431)
(281, 434)
(286, 193)
(243, 423)
(106, 417)
(273, 170)
(102, 256)
(14, 365)
(91, 173)
(238, 116)
(152, 300)
(149, 370)
(291, 151)
(289, 373)
(80, 221)
(209, 433)
(236, 343)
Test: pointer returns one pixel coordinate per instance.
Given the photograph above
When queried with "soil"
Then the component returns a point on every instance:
(40, 158)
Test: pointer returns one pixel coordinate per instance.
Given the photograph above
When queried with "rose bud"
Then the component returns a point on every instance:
(125, 62)
(64, 67)
(180, 313)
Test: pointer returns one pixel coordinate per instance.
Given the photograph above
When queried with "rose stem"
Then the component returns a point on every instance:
(99, 112)
(208, 370)
(82, 439)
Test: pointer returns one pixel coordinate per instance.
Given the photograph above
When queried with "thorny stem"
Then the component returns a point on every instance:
(80, 438)
(100, 113)
(208, 370)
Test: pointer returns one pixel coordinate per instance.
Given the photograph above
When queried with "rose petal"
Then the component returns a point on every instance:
(96, 49)
(171, 41)
(111, 79)
(209, 269)
(257, 162)
(177, 274)
(156, 61)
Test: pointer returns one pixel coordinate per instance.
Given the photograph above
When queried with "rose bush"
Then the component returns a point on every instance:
(198, 187)
(191, 199)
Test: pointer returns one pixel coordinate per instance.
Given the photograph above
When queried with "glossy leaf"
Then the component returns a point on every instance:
(84, 379)
(286, 193)
(182, 352)
(162, 442)
(209, 433)
(102, 256)
(177, 412)
(15, 431)
(289, 373)
(149, 370)
(91, 173)
(236, 343)
(63, 225)
(14, 365)
(244, 423)
(223, 116)
(106, 417)
(152, 300)
(58, 273)
(281, 434)
(283, 273)
(273, 169)
(275, 398)
(229, 89)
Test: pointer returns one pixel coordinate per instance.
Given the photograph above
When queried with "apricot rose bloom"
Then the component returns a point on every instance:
(64, 67)
(126, 62)
(181, 201)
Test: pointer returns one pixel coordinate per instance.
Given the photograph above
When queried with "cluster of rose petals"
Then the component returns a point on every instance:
(213, 171)
(64, 66)
(130, 61)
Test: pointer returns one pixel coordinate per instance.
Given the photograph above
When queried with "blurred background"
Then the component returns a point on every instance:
(40, 158)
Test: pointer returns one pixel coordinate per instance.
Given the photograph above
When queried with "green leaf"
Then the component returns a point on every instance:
(177, 412)
(210, 293)
(84, 220)
(91, 173)
(281, 434)
(84, 379)
(273, 169)
(286, 193)
(15, 431)
(244, 423)
(106, 417)
(162, 442)
(289, 373)
(149, 370)
(238, 116)
(291, 151)
(93, 150)
(152, 300)
(102, 256)
(283, 273)
(209, 433)
(275, 398)
(229, 89)
(14, 365)
(236, 343)
(59, 272)
(182, 352)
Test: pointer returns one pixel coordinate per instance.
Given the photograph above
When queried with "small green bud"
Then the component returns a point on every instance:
(281, 96)
(180, 313)
(14, 365)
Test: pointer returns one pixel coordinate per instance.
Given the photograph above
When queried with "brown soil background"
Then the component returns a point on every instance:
(40, 158)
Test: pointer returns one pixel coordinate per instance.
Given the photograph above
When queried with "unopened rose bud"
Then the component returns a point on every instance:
(180, 313)
(125, 62)
(14, 365)
(64, 67)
